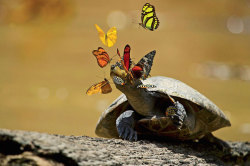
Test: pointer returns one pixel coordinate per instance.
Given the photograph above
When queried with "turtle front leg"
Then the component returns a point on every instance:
(125, 124)
(177, 113)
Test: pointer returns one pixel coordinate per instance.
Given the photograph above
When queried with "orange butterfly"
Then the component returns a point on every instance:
(102, 87)
(101, 56)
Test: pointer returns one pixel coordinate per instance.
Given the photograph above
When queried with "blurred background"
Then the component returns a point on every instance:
(46, 60)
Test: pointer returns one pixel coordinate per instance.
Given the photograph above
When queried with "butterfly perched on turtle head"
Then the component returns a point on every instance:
(132, 76)
(125, 61)
(149, 19)
(126, 57)
(143, 67)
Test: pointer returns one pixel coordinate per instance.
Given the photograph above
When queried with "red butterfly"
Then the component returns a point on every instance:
(125, 61)
(126, 56)
(143, 67)
(137, 71)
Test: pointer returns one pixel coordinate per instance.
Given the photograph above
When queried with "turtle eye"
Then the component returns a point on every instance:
(118, 80)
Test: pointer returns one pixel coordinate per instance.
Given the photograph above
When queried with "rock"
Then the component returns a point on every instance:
(33, 148)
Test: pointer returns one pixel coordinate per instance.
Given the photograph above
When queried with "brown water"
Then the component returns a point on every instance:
(46, 63)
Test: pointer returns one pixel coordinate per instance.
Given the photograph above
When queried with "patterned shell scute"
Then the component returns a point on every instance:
(177, 88)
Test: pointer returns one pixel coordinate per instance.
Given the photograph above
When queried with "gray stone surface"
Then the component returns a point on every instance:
(33, 148)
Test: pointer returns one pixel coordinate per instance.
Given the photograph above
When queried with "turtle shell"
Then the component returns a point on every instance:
(211, 116)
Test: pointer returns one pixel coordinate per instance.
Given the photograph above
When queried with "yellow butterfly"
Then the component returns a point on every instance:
(108, 39)
(102, 87)
(148, 17)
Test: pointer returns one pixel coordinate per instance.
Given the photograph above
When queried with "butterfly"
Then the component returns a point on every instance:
(143, 67)
(102, 57)
(125, 61)
(102, 87)
(126, 56)
(108, 39)
(137, 71)
(149, 19)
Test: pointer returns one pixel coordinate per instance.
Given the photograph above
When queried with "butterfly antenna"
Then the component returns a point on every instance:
(112, 57)
(118, 53)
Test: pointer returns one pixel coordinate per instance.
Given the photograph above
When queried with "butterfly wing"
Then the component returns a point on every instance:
(156, 23)
(126, 56)
(101, 56)
(143, 12)
(137, 71)
(148, 17)
(149, 23)
(111, 37)
(101, 34)
(102, 87)
(147, 11)
(106, 88)
(123, 64)
(145, 64)
(94, 88)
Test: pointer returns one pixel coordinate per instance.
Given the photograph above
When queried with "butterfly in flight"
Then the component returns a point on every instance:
(102, 57)
(149, 19)
(102, 87)
(108, 39)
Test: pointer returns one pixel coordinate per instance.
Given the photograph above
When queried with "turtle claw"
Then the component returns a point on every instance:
(121, 132)
(128, 133)
(125, 124)
(177, 113)
(132, 136)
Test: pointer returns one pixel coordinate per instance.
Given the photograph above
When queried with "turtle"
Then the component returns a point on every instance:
(167, 109)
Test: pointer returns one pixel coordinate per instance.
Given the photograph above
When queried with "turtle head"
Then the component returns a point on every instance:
(129, 79)
(123, 79)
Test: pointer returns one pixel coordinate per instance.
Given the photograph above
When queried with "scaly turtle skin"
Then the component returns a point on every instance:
(142, 111)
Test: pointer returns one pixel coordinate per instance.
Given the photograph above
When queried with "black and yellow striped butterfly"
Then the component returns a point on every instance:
(148, 17)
